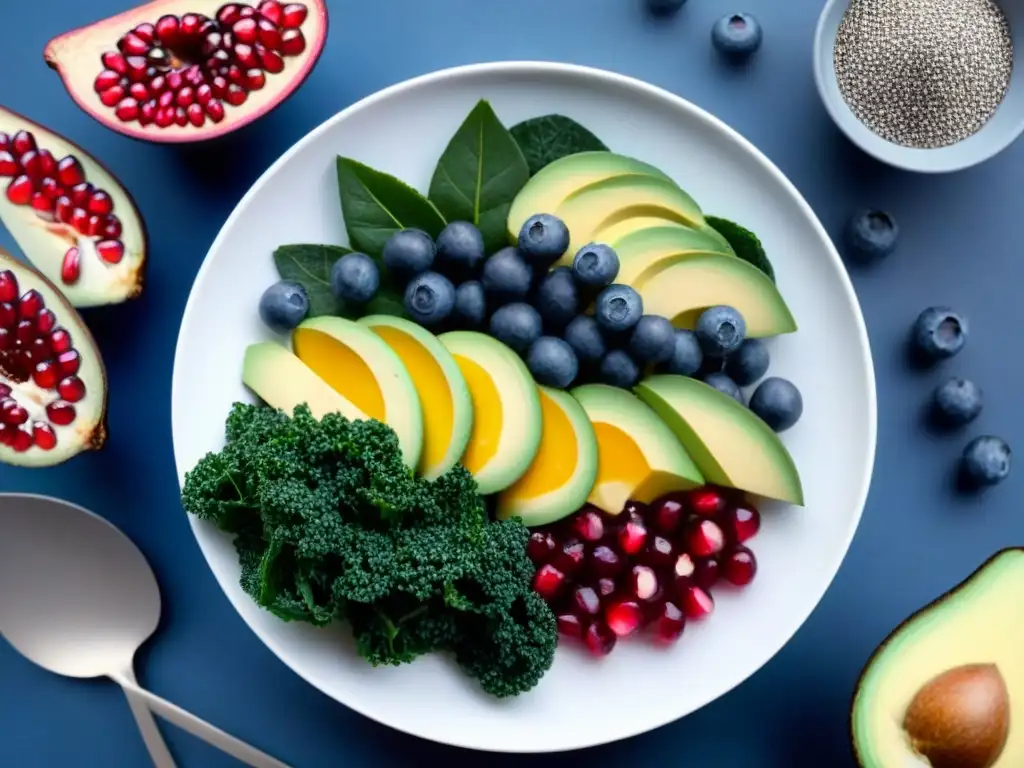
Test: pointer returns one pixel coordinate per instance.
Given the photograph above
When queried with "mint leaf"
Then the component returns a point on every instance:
(744, 242)
(376, 205)
(479, 175)
(310, 266)
(548, 138)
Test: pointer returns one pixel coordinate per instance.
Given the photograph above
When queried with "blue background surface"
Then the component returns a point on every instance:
(961, 246)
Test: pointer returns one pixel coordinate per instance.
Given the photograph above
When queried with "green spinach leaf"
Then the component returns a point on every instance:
(310, 266)
(376, 205)
(548, 138)
(746, 244)
(479, 175)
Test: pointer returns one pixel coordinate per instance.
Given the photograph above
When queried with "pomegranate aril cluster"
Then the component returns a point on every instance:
(183, 70)
(648, 570)
(57, 191)
(38, 360)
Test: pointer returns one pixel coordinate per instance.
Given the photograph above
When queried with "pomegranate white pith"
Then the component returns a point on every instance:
(52, 206)
(52, 381)
(195, 81)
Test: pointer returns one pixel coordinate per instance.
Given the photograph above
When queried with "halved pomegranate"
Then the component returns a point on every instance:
(190, 70)
(53, 386)
(69, 215)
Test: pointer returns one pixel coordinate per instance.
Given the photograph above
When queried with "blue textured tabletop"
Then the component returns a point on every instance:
(918, 538)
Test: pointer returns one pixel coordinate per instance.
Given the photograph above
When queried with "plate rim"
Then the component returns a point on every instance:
(544, 68)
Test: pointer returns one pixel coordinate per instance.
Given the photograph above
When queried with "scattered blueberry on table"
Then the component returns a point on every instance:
(870, 235)
(665, 7)
(939, 333)
(283, 306)
(737, 35)
(957, 401)
(986, 461)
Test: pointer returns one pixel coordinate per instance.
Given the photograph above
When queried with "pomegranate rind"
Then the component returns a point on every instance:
(75, 56)
(88, 432)
(45, 244)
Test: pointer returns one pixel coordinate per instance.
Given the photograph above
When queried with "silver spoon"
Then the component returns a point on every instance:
(78, 598)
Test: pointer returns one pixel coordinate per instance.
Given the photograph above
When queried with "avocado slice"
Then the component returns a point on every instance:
(638, 457)
(283, 381)
(564, 470)
(360, 366)
(443, 394)
(546, 190)
(645, 251)
(506, 409)
(682, 287)
(730, 444)
(946, 688)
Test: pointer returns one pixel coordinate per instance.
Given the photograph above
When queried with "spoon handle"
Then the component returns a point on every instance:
(151, 736)
(200, 728)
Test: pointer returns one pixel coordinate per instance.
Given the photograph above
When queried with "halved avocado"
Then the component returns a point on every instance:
(545, 191)
(730, 444)
(564, 470)
(683, 287)
(506, 409)
(946, 688)
(638, 457)
(358, 364)
(644, 251)
(442, 390)
(283, 381)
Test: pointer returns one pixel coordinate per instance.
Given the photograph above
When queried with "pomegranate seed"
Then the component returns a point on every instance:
(707, 502)
(740, 523)
(643, 583)
(127, 110)
(588, 525)
(215, 110)
(137, 67)
(60, 412)
(164, 116)
(705, 574)
(8, 285)
(175, 80)
(8, 165)
(659, 552)
(132, 45)
(293, 15)
(25, 332)
(166, 100)
(22, 441)
(180, 117)
(540, 547)
(41, 203)
(23, 142)
(145, 32)
(114, 62)
(669, 623)
(668, 515)
(704, 537)
(236, 96)
(100, 203)
(111, 251)
(235, 75)
(219, 86)
(599, 639)
(268, 34)
(191, 24)
(47, 163)
(139, 92)
(569, 625)
(547, 582)
(270, 60)
(71, 389)
(204, 93)
(39, 349)
(44, 436)
(604, 587)
(69, 362)
(166, 29)
(585, 601)
(60, 340)
(696, 603)
(270, 10)
(71, 266)
(51, 188)
(244, 31)
(30, 304)
(683, 574)
(739, 566)
(19, 191)
(12, 413)
(80, 194)
(80, 220)
(112, 96)
(45, 374)
(246, 55)
(293, 42)
(108, 78)
(623, 617)
(229, 14)
(62, 209)
(111, 228)
(569, 558)
(5, 338)
(45, 321)
(255, 79)
(147, 113)
(8, 315)
(32, 164)
(604, 562)
(5, 142)
(632, 537)
(158, 85)
(4, 390)
(185, 97)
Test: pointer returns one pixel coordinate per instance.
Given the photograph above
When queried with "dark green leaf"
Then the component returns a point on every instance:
(376, 205)
(547, 138)
(387, 301)
(479, 175)
(744, 242)
(310, 266)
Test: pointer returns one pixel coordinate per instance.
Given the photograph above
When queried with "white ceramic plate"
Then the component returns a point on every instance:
(403, 130)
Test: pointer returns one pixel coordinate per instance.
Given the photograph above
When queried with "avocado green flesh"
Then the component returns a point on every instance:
(979, 622)
(731, 446)
(638, 234)
(644, 252)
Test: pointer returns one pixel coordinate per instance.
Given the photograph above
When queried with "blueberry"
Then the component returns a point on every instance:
(583, 334)
(653, 340)
(725, 385)
(778, 402)
(517, 325)
(618, 369)
(986, 461)
(470, 304)
(595, 265)
(957, 402)
(557, 298)
(284, 305)
(665, 7)
(687, 357)
(870, 235)
(736, 35)
(939, 332)
(720, 330)
(355, 278)
(543, 239)
(748, 363)
(552, 362)
(506, 277)
(429, 298)
(408, 253)
(618, 308)
(460, 251)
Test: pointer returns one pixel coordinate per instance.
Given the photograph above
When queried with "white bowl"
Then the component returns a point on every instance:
(581, 702)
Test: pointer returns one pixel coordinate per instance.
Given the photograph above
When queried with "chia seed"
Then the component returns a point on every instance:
(923, 73)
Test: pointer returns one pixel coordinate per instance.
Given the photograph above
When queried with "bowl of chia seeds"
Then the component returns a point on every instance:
(923, 85)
